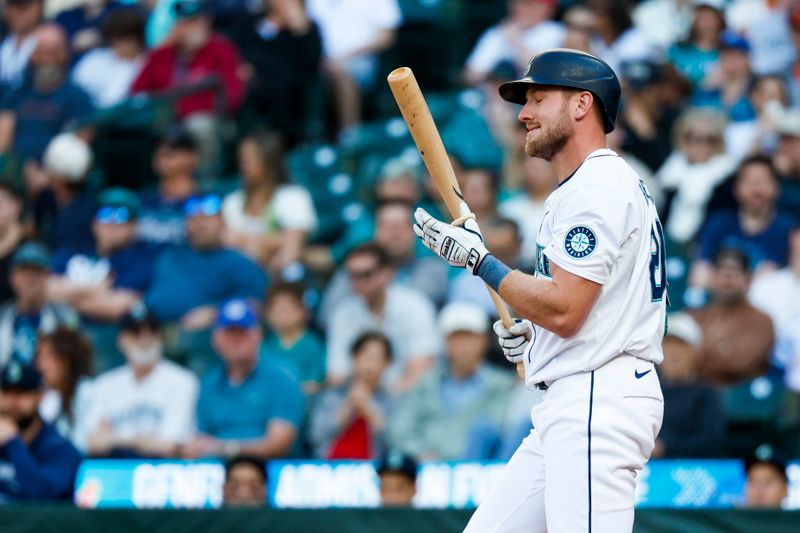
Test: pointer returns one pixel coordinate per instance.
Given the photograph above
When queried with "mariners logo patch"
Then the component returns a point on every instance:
(580, 242)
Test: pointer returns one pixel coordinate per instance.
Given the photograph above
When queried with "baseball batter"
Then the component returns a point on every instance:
(593, 313)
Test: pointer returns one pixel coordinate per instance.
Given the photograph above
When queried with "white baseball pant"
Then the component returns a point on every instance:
(576, 471)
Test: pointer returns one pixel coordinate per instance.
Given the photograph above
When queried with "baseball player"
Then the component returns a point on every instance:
(593, 313)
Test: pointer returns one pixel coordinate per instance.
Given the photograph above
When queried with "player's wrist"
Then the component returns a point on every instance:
(492, 271)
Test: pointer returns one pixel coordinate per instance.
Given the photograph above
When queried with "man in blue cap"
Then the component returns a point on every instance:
(105, 280)
(29, 313)
(36, 462)
(247, 406)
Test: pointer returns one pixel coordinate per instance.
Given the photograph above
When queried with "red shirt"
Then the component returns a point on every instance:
(163, 70)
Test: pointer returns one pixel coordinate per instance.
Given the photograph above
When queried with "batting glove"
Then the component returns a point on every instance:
(514, 340)
(461, 246)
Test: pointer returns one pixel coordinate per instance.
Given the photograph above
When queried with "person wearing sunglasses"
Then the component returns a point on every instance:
(190, 281)
(105, 280)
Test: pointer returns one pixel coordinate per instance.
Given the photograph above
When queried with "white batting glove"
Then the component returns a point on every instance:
(514, 340)
(460, 246)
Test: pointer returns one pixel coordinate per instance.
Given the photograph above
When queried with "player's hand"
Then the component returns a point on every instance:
(514, 340)
(461, 246)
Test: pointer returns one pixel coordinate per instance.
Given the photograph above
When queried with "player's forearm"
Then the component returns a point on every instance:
(540, 301)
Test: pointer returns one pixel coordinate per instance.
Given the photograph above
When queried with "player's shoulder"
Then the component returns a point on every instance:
(604, 174)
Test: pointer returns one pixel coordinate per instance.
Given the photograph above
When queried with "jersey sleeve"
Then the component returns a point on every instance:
(589, 227)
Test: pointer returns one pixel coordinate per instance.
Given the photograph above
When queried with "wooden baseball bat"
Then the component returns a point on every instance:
(426, 136)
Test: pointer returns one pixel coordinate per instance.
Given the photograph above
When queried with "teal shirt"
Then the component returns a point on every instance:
(694, 63)
(242, 411)
(305, 359)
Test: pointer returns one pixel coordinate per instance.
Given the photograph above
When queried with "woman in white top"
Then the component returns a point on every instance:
(64, 357)
(267, 218)
(696, 166)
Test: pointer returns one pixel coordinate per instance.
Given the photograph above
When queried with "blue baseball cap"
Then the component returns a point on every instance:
(730, 40)
(237, 313)
(117, 206)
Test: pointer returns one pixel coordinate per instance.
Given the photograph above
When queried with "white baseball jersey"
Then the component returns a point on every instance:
(160, 406)
(601, 224)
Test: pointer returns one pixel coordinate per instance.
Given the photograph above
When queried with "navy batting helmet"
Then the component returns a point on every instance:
(563, 67)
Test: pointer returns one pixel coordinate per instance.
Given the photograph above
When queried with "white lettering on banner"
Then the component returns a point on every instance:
(327, 485)
(433, 486)
(177, 485)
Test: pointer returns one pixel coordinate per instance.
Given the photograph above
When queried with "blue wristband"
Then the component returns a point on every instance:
(492, 271)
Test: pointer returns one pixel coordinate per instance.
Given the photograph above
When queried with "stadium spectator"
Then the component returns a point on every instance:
(457, 402)
(29, 313)
(36, 462)
(104, 281)
(161, 221)
(527, 28)
(353, 33)
(766, 24)
(697, 164)
(757, 227)
(767, 484)
(190, 281)
(11, 234)
(737, 338)
(290, 342)
(404, 315)
(727, 87)
(770, 99)
(787, 350)
(106, 73)
(82, 24)
(245, 483)
(45, 103)
(194, 54)
(414, 269)
(696, 56)
(267, 219)
(283, 49)
(145, 408)
(503, 235)
(527, 208)
(787, 161)
(620, 41)
(22, 18)
(694, 423)
(247, 406)
(64, 209)
(397, 475)
(349, 421)
(64, 359)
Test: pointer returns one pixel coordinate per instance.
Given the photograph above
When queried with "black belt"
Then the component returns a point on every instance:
(541, 385)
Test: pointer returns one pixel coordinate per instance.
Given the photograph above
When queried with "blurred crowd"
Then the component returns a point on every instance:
(205, 227)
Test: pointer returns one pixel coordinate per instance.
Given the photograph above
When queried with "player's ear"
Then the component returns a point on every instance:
(582, 104)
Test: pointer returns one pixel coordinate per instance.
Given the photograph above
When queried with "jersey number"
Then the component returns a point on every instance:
(658, 256)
